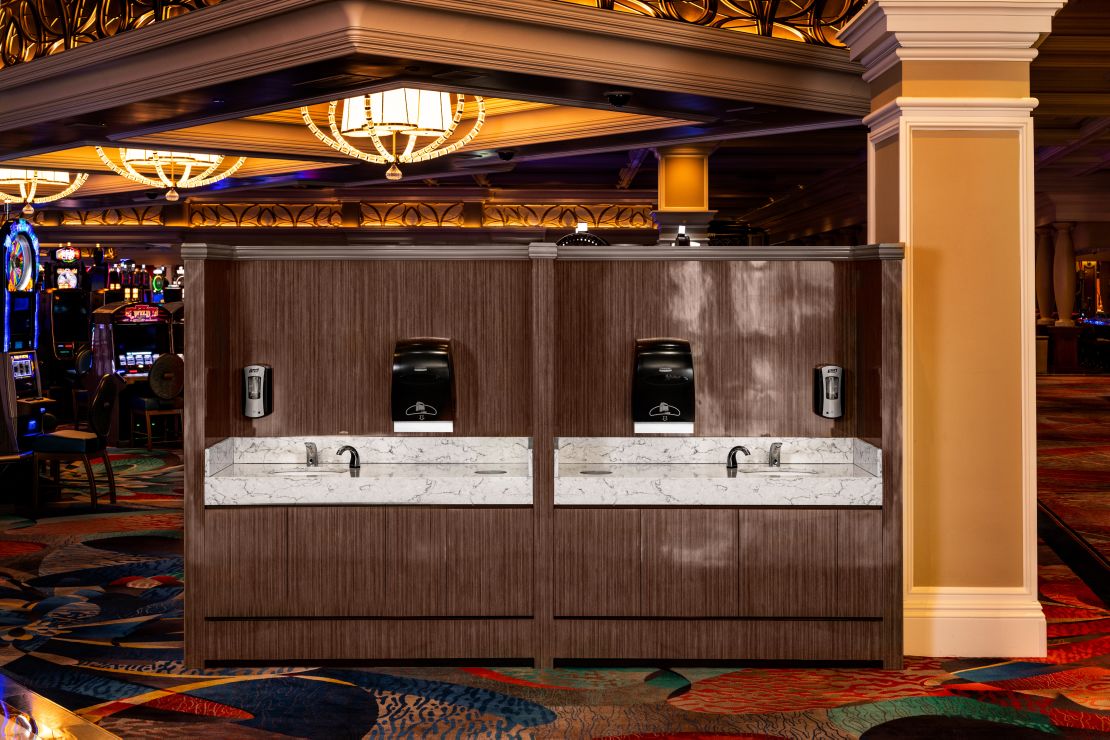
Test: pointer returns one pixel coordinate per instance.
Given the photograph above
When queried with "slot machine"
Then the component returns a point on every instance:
(128, 337)
(66, 304)
(20, 382)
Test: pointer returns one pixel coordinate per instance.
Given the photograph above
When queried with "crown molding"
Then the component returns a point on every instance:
(887, 32)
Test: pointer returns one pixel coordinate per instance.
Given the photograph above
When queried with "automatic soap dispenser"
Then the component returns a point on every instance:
(423, 396)
(663, 387)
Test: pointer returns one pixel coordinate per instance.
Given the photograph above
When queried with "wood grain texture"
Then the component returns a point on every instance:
(757, 329)
(244, 572)
(717, 639)
(597, 562)
(809, 563)
(892, 447)
(367, 561)
(329, 328)
(869, 351)
(488, 568)
(283, 640)
(543, 307)
(690, 563)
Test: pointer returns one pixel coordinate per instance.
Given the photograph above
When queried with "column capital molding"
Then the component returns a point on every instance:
(887, 32)
(988, 112)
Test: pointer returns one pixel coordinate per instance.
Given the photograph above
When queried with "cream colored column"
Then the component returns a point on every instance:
(684, 192)
(1063, 274)
(1043, 276)
(951, 176)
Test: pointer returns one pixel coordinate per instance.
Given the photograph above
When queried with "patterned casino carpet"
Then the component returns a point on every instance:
(90, 617)
(1073, 445)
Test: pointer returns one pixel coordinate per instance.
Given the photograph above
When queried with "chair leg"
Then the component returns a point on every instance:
(92, 480)
(149, 439)
(111, 476)
(56, 473)
(35, 471)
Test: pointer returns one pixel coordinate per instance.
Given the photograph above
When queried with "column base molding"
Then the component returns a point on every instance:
(965, 622)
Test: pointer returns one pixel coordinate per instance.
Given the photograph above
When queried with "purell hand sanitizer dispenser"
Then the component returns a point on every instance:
(258, 391)
(663, 387)
(423, 397)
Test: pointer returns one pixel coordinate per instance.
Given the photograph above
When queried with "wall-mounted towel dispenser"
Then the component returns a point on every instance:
(423, 396)
(663, 387)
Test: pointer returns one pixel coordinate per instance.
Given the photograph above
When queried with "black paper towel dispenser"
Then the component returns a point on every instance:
(663, 387)
(423, 397)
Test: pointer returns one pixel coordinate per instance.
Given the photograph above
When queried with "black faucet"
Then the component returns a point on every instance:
(355, 466)
(731, 463)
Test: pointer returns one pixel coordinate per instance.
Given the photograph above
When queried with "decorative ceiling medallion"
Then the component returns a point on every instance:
(809, 21)
(170, 169)
(406, 113)
(34, 186)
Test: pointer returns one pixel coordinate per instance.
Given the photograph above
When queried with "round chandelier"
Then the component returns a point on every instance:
(158, 168)
(35, 186)
(407, 114)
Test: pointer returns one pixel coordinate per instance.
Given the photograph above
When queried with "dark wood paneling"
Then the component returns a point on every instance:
(597, 562)
(489, 562)
(329, 328)
(690, 563)
(367, 561)
(717, 639)
(244, 568)
(283, 640)
(543, 308)
(892, 447)
(869, 351)
(757, 329)
(796, 563)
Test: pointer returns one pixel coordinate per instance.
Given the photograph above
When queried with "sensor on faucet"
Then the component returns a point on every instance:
(775, 458)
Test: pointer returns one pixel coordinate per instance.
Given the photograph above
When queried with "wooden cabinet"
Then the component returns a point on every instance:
(597, 562)
(364, 561)
(689, 564)
(810, 563)
(243, 571)
(704, 562)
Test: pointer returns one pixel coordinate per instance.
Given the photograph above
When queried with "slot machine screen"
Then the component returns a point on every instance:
(138, 346)
(70, 317)
(66, 277)
(23, 371)
(21, 327)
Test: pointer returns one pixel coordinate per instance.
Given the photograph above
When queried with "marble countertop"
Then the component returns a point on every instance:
(677, 484)
(444, 484)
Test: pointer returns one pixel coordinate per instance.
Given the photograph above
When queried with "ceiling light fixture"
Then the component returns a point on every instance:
(31, 183)
(402, 112)
(168, 169)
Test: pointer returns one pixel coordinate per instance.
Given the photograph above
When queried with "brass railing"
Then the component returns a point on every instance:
(808, 21)
(32, 29)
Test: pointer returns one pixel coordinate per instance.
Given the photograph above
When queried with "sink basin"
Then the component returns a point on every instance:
(307, 473)
(775, 472)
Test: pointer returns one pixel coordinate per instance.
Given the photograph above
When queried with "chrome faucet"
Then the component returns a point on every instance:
(775, 459)
(355, 466)
(731, 462)
(312, 457)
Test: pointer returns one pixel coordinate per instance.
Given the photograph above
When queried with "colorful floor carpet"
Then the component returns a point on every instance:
(91, 617)
(1073, 444)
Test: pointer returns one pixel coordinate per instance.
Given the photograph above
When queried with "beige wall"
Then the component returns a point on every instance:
(684, 178)
(936, 79)
(966, 356)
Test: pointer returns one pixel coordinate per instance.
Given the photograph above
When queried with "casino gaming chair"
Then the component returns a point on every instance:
(71, 445)
(83, 384)
(166, 381)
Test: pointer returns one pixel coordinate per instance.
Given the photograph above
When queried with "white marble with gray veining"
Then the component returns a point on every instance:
(707, 450)
(661, 484)
(867, 456)
(219, 456)
(444, 484)
(385, 450)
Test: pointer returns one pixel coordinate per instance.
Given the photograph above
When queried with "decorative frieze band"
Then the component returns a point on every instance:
(265, 215)
(411, 214)
(596, 215)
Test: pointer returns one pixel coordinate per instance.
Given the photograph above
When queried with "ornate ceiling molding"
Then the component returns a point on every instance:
(265, 215)
(887, 32)
(597, 215)
(371, 215)
(33, 29)
(809, 21)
